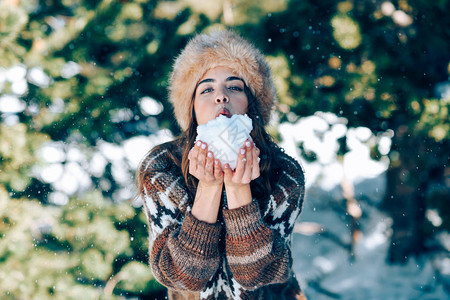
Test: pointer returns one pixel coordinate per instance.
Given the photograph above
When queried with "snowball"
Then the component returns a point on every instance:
(225, 136)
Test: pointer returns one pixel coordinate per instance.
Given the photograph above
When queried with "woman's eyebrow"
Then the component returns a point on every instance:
(231, 78)
(205, 80)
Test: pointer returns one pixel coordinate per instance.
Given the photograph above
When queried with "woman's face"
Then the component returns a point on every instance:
(220, 91)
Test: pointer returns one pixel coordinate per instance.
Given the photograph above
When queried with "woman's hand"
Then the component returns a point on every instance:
(203, 166)
(237, 183)
(247, 167)
(208, 171)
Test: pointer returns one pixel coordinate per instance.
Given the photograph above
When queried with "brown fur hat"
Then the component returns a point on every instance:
(219, 48)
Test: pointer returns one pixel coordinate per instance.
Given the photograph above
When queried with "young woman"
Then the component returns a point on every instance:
(218, 233)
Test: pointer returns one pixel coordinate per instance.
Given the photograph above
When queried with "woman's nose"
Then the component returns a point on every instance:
(221, 98)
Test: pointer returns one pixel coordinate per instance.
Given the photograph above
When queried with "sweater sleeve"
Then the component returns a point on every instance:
(184, 252)
(258, 244)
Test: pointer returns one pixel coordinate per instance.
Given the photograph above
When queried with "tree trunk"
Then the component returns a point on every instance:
(405, 195)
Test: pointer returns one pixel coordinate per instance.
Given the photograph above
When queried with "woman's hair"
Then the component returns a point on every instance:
(186, 140)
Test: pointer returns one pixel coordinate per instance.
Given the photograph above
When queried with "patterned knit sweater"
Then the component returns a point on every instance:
(245, 255)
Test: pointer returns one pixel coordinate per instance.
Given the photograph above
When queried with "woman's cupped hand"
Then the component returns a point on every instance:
(203, 165)
(247, 166)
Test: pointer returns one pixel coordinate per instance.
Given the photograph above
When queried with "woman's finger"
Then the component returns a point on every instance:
(201, 160)
(218, 174)
(247, 175)
(255, 168)
(240, 166)
(209, 171)
(228, 174)
(193, 157)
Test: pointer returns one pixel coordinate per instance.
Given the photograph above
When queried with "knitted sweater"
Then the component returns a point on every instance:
(245, 255)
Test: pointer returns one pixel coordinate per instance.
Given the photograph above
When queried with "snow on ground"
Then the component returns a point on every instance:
(326, 269)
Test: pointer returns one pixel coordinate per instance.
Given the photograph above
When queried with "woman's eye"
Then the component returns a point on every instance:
(206, 91)
(236, 88)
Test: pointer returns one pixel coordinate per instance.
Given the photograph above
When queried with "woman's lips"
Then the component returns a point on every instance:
(225, 112)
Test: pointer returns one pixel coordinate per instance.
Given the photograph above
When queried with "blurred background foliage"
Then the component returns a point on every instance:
(80, 78)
